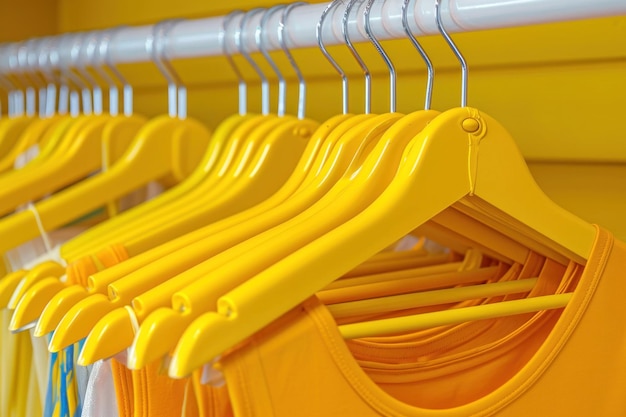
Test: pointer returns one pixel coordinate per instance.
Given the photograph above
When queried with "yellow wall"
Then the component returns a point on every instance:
(559, 88)
(27, 18)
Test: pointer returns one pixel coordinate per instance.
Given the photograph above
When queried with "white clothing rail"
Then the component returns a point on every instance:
(201, 37)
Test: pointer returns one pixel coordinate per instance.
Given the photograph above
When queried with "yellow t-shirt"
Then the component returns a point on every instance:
(567, 362)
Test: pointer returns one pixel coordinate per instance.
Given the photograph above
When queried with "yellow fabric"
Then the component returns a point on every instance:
(79, 270)
(212, 401)
(155, 394)
(123, 382)
(146, 392)
(561, 363)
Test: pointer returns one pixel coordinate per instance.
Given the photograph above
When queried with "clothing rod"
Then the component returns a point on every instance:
(201, 37)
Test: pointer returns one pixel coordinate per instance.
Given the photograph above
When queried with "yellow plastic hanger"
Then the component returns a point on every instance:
(50, 317)
(162, 295)
(19, 117)
(239, 227)
(11, 130)
(99, 282)
(92, 193)
(462, 154)
(212, 174)
(139, 284)
(77, 156)
(289, 139)
(386, 155)
(89, 241)
(481, 162)
(147, 159)
(150, 343)
(30, 137)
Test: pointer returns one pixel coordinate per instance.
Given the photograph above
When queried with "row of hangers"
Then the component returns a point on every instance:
(264, 212)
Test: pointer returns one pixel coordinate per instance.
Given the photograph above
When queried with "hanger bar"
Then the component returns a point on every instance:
(414, 323)
(430, 298)
(201, 37)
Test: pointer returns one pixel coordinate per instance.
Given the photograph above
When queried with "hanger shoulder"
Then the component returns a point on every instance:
(502, 180)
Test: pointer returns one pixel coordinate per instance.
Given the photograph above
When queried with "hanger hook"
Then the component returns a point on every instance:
(11, 89)
(355, 54)
(177, 92)
(320, 43)
(69, 76)
(282, 27)
(259, 38)
(241, 82)
(76, 43)
(32, 58)
(32, 83)
(43, 64)
(93, 51)
(429, 65)
(457, 53)
(265, 87)
(381, 51)
(127, 89)
(17, 91)
(86, 59)
(67, 95)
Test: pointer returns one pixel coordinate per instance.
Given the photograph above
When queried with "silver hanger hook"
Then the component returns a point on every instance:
(457, 53)
(127, 89)
(259, 37)
(429, 65)
(10, 88)
(381, 51)
(177, 92)
(242, 86)
(43, 64)
(17, 90)
(76, 42)
(282, 27)
(94, 60)
(68, 76)
(33, 48)
(86, 59)
(320, 43)
(67, 95)
(265, 86)
(33, 86)
(355, 54)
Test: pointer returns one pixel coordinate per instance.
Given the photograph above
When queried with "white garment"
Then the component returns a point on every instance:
(100, 399)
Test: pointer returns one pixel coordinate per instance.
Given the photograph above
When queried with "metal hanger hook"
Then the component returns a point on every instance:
(429, 65)
(282, 27)
(355, 54)
(34, 47)
(104, 51)
(457, 53)
(76, 43)
(241, 82)
(265, 87)
(383, 54)
(320, 43)
(86, 59)
(43, 64)
(177, 92)
(260, 39)
(96, 62)
(30, 85)
(16, 93)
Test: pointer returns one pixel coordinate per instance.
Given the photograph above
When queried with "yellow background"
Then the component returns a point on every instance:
(560, 89)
